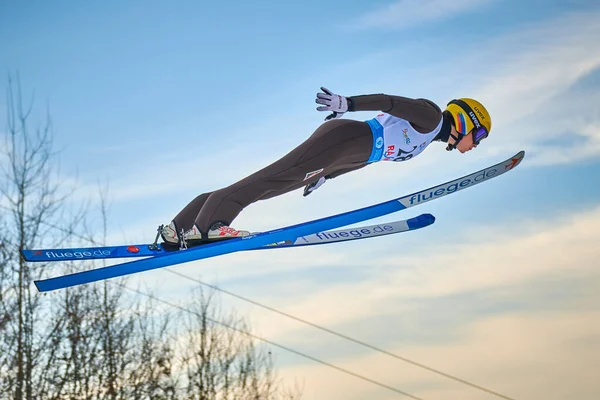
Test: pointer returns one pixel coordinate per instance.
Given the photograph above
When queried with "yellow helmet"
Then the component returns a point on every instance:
(469, 114)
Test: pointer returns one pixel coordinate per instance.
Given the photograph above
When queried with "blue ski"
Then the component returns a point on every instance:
(281, 234)
(149, 250)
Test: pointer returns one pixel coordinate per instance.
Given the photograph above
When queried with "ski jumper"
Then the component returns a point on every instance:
(406, 127)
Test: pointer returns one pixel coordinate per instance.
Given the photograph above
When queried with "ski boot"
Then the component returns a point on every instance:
(217, 231)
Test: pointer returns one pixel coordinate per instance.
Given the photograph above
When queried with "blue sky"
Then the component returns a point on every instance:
(167, 101)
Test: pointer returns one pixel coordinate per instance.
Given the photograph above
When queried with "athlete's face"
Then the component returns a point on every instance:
(466, 144)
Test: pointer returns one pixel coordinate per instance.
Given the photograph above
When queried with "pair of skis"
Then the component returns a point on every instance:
(307, 233)
(158, 249)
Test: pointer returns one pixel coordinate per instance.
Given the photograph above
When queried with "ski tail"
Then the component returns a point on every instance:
(91, 253)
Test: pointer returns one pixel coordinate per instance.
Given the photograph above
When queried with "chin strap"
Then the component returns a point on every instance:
(452, 146)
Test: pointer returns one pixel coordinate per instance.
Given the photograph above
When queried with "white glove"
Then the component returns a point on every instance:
(311, 187)
(332, 102)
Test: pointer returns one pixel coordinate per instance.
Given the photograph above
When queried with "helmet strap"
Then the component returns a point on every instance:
(452, 146)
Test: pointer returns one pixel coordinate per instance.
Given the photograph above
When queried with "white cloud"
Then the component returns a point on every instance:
(563, 244)
(507, 266)
(526, 79)
(404, 13)
(569, 134)
(523, 356)
(521, 72)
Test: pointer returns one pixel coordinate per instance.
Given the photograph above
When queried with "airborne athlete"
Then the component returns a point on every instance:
(405, 129)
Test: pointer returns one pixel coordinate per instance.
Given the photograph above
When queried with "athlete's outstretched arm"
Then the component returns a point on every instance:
(423, 114)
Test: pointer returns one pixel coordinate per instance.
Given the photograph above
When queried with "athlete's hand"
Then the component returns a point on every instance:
(331, 102)
(311, 187)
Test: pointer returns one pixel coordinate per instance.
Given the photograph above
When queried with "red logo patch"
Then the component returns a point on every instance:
(513, 162)
(390, 151)
(133, 249)
(313, 173)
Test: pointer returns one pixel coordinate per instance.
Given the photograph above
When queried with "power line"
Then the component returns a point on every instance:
(151, 296)
(463, 381)
(340, 335)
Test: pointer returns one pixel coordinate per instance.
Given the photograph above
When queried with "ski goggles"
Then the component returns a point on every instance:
(479, 134)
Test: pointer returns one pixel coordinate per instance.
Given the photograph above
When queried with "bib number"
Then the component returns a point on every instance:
(409, 154)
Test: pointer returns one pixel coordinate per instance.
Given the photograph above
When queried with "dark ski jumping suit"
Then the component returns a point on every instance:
(335, 148)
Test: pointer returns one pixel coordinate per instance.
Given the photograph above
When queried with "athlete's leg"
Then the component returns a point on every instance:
(330, 172)
(334, 144)
(186, 217)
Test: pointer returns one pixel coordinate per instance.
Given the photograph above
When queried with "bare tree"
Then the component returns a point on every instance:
(153, 375)
(221, 361)
(33, 206)
(107, 344)
(69, 371)
(93, 341)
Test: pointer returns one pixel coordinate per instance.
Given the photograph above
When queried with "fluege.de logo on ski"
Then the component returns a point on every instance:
(450, 187)
(357, 233)
(77, 254)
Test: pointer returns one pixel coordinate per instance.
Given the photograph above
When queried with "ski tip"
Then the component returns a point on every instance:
(517, 158)
(421, 221)
(514, 160)
(430, 219)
